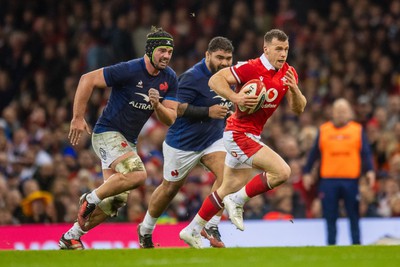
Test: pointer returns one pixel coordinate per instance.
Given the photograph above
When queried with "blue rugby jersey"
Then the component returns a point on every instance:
(193, 134)
(129, 107)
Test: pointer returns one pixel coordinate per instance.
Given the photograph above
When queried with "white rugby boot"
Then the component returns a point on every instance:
(235, 212)
(190, 237)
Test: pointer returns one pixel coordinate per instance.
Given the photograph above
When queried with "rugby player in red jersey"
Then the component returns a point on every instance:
(245, 150)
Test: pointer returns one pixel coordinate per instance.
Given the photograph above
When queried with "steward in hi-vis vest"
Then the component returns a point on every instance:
(342, 147)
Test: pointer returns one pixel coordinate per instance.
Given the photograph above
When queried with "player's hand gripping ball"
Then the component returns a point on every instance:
(257, 88)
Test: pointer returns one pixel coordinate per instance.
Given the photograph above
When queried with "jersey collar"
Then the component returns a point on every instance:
(266, 63)
(204, 68)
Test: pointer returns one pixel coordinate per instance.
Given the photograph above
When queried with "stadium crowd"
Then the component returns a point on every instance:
(343, 48)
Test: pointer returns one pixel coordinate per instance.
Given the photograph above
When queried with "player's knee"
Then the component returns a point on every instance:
(133, 169)
(130, 164)
(111, 205)
(279, 175)
(284, 173)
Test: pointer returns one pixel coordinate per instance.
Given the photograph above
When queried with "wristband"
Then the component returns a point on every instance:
(196, 112)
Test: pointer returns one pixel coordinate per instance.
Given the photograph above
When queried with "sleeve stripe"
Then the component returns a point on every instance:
(171, 98)
(235, 75)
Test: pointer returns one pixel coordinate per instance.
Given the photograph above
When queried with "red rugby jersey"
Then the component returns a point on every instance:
(261, 69)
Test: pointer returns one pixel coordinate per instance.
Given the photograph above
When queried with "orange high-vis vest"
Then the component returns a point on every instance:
(340, 150)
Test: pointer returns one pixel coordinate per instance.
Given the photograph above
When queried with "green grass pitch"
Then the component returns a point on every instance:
(341, 256)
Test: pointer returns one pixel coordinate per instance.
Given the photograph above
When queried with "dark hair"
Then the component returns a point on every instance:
(158, 32)
(220, 43)
(275, 33)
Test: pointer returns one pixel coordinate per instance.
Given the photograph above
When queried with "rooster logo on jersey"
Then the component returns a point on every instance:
(163, 86)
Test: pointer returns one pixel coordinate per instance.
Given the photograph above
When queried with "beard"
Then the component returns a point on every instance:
(214, 68)
(158, 67)
(161, 66)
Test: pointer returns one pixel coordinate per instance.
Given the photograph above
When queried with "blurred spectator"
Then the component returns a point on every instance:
(5, 216)
(37, 207)
(45, 176)
(123, 49)
(368, 200)
(256, 208)
(192, 198)
(286, 203)
(6, 91)
(13, 204)
(363, 109)
(316, 208)
(387, 197)
(135, 208)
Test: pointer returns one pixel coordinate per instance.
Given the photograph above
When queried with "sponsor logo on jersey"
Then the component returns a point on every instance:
(145, 97)
(174, 173)
(141, 105)
(270, 96)
(269, 106)
(227, 104)
(220, 97)
(124, 144)
(234, 154)
(224, 102)
(163, 86)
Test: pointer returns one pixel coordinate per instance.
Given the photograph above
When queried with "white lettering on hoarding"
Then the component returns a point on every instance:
(53, 245)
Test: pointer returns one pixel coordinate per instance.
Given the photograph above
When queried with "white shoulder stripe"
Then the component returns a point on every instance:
(235, 74)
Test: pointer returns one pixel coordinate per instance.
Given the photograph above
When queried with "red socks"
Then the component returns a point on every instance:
(211, 205)
(257, 185)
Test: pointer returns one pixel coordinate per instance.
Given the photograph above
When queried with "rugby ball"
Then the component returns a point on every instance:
(257, 88)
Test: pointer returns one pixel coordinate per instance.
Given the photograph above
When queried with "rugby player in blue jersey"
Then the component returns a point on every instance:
(194, 138)
(139, 88)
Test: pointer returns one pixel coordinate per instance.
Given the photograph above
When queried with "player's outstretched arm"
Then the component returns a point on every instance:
(88, 81)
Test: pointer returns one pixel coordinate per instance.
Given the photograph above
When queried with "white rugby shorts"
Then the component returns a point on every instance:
(109, 146)
(241, 148)
(178, 163)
